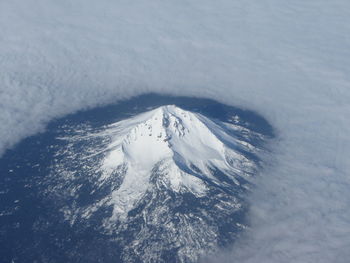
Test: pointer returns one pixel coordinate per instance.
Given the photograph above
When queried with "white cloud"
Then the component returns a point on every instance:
(288, 60)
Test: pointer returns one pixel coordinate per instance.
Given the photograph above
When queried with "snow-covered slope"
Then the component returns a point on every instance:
(185, 146)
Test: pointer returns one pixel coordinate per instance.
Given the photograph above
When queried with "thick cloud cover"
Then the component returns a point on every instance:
(288, 60)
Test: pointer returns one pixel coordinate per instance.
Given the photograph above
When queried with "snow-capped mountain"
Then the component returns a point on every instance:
(184, 146)
(167, 184)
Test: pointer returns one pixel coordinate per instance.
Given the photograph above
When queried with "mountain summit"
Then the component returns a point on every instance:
(186, 148)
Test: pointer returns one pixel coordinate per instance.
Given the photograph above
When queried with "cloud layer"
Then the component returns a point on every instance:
(288, 60)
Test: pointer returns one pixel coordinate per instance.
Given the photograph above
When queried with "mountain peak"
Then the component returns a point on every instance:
(164, 120)
(185, 147)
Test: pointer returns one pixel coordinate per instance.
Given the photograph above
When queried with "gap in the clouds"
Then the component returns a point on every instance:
(32, 225)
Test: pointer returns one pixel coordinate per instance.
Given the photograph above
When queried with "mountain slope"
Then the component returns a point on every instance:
(183, 145)
(167, 185)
